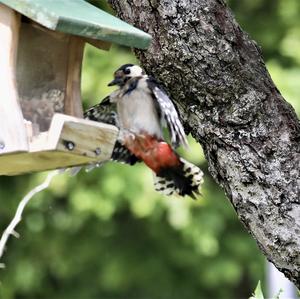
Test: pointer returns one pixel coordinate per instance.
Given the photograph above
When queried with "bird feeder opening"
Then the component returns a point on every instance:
(42, 73)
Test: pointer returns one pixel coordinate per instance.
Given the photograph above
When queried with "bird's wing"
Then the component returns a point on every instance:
(106, 112)
(168, 111)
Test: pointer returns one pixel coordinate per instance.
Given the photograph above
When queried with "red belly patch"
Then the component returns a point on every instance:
(156, 154)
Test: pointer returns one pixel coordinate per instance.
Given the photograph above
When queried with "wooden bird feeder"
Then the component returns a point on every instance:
(42, 43)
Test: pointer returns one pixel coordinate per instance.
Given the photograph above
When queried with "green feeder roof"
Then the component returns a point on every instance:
(78, 17)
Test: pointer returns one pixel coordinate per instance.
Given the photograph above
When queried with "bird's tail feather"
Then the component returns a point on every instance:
(184, 179)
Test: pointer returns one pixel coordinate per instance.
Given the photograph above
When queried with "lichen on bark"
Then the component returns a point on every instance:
(227, 100)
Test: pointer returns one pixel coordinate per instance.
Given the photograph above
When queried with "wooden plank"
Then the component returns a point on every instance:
(100, 44)
(78, 17)
(73, 105)
(21, 163)
(12, 130)
(88, 138)
(70, 141)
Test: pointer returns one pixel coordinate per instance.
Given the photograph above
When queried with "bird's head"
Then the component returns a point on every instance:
(125, 72)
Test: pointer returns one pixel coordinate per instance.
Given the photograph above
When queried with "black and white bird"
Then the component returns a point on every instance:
(140, 108)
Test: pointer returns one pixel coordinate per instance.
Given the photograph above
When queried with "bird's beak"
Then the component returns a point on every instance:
(116, 81)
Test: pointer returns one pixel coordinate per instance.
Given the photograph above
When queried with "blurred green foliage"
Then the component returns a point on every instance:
(108, 234)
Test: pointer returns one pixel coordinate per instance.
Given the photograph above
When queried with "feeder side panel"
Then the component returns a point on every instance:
(12, 130)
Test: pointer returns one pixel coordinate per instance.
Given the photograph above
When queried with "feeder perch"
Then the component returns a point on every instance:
(42, 43)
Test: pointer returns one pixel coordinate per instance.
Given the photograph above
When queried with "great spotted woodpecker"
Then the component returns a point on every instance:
(140, 107)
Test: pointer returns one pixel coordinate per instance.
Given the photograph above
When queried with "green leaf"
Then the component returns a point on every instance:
(258, 294)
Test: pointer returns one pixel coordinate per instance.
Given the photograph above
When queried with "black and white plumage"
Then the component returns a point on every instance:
(106, 112)
(137, 85)
(168, 113)
(194, 176)
(140, 107)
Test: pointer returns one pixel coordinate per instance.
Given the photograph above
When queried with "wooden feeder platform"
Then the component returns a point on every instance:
(69, 141)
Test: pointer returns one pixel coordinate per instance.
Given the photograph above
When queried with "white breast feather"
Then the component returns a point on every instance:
(137, 111)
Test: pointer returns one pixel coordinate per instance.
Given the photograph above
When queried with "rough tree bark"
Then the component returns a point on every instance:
(216, 75)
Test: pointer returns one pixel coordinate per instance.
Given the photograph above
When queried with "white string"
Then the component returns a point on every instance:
(10, 230)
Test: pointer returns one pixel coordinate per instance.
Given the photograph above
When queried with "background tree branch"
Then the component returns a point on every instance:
(250, 135)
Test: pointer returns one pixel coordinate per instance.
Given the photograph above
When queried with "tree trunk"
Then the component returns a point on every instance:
(227, 100)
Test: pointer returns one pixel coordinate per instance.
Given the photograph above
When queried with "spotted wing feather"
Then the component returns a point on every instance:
(168, 112)
(105, 112)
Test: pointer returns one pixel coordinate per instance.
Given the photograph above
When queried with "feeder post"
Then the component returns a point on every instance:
(73, 104)
(12, 129)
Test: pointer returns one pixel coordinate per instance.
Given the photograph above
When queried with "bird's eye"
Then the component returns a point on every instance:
(127, 71)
